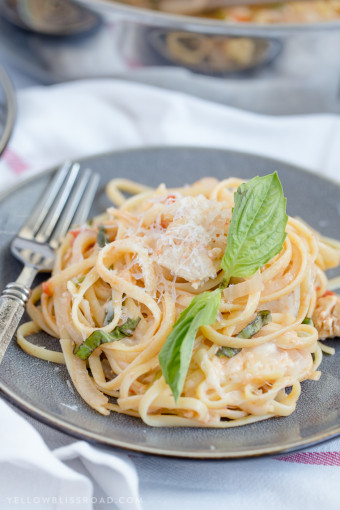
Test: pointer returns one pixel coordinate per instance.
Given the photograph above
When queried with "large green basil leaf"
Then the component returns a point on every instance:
(175, 355)
(257, 228)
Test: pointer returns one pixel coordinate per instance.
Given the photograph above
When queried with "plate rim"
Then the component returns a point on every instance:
(11, 109)
(81, 433)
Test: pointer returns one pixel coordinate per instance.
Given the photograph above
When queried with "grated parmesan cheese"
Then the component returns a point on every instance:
(194, 239)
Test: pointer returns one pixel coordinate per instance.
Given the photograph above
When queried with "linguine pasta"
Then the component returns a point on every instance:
(144, 261)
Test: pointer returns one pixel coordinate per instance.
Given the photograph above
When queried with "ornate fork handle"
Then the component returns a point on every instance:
(16, 291)
(12, 305)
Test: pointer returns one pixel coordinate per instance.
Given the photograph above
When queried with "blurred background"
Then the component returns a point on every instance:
(273, 58)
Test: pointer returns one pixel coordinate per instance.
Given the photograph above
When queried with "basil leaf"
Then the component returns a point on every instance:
(99, 337)
(257, 228)
(264, 317)
(102, 238)
(174, 357)
(227, 352)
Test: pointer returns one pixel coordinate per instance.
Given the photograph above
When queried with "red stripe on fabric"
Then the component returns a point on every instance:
(315, 458)
(133, 64)
(14, 161)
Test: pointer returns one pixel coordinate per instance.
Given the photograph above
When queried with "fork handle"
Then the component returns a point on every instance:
(12, 306)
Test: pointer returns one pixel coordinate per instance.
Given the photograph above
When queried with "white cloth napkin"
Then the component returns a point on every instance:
(30, 474)
(85, 118)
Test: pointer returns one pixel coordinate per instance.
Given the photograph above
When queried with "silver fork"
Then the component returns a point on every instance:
(66, 202)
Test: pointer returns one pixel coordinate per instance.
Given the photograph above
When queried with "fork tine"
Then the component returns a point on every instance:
(77, 200)
(39, 213)
(47, 227)
(83, 210)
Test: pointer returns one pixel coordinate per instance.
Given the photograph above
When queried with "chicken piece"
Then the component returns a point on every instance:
(326, 316)
(265, 362)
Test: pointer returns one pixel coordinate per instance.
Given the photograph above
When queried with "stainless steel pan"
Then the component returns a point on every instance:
(274, 69)
(204, 25)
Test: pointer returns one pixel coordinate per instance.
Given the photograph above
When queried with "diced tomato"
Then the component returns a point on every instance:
(328, 293)
(165, 224)
(47, 288)
(170, 199)
(75, 232)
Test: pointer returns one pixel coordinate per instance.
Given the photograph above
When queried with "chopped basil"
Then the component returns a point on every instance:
(99, 337)
(308, 320)
(264, 317)
(227, 352)
(102, 238)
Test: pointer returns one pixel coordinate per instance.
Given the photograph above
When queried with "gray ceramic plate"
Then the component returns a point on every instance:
(42, 389)
(7, 109)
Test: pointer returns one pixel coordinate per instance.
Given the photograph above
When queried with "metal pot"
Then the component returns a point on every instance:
(272, 69)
